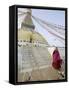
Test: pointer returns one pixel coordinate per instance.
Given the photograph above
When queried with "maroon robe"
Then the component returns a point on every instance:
(57, 61)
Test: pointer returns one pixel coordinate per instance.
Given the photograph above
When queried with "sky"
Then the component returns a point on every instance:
(52, 16)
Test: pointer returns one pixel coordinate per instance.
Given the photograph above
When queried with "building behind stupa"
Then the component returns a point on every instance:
(34, 59)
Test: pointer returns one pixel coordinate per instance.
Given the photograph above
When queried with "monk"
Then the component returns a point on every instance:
(57, 61)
